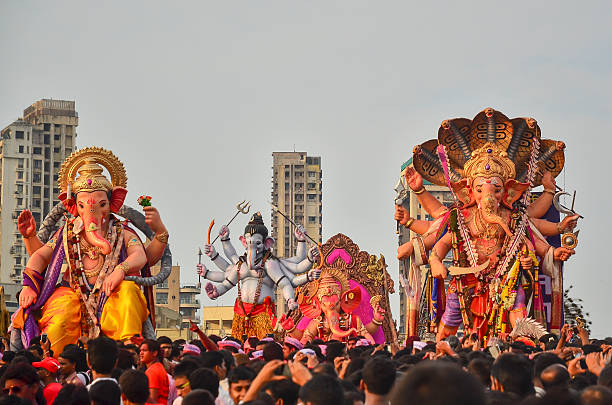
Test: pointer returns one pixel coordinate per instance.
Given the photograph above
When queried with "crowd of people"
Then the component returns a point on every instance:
(563, 370)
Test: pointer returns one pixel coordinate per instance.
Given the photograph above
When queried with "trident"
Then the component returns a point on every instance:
(242, 207)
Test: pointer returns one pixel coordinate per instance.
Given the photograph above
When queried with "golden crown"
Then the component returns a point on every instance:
(89, 163)
(328, 286)
(489, 161)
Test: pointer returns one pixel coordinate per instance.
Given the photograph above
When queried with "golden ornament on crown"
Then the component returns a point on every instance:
(89, 163)
(489, 161)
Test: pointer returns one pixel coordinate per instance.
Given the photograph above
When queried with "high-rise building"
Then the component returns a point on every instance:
(175, 305)
(297, 192)
(443, 195)
(32, 150)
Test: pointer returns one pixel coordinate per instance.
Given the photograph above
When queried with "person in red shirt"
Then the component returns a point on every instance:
(47, 370)
(158, 379)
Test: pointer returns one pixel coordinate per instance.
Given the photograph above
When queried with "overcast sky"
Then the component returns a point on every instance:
(195, 96)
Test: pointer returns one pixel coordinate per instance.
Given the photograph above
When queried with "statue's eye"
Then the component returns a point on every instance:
(102, 203)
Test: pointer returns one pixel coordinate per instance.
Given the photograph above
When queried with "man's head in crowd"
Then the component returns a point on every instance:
(101, 355)
(149, 352)
(239, 379)
(182, 371)
(596, 395)
(378, 376)
(272, 351)
(165, 347)
(72, 394)
(605, 377)
(513, 373)
(322, 390)
(481, 369)
(199, 397)
(68, 360)
(205, 379)
(105, 392)
(435, 383)
(22, 380)
(47, 369)
(134, 387)
(284, 392)
(215, 361)
(555, 377)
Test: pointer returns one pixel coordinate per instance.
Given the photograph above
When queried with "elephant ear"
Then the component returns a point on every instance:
(350, 300)
(69, 204)
(462, 190)
(309, 306)
(513, 191)
(117, 198)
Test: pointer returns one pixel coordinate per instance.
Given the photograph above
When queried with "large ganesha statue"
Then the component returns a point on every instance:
(493, 230)
(86, 279)
(349, 299)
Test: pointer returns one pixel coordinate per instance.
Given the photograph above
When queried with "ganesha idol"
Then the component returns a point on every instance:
(348, 300)
(493, 230)
(74, 285)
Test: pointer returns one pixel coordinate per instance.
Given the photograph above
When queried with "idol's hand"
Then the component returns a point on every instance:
(224, 232)
(201, 269)
(405, 250)
(211, 291)
(286, 322)
(314, 274)
(26, 224)
(313, 254)
(112, 282)
(153, 220)
(525, 259)
(401, 214)
(291, 304)
(27, 297)
(563, 253)
(379, 313)
(300, 233)
(209, 250)
(414, 179)
(569, 223)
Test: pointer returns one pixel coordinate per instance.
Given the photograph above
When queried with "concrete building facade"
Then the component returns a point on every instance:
(297, 191)
(32, 150)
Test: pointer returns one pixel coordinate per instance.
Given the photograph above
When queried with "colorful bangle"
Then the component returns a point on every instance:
(162, 237)
(409, 222)
(376, 322)
(420, 191)
(546, 190)
(124, 267)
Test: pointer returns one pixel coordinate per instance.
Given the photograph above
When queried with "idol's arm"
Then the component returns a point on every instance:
(548, 228)
(230, 280)
(438, 253)
(156, 247)
(228, 248)
(32, 275)
(281, 280)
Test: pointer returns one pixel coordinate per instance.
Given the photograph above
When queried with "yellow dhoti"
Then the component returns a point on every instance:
(122, 315)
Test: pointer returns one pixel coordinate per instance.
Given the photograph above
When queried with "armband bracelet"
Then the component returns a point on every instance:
(32, 279)
(124, 267)
(162, 237)
(225, 240)
(420, 191)
(215, 256)
(549, 191)
(409, 222)
(376, 322)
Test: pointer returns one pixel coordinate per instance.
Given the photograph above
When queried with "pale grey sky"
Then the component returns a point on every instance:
(195, 96)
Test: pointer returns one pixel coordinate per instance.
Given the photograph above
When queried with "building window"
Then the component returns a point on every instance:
(161, 298)
(36, 190)
(47, 153)
(47, 138)
(37, 151)
(56, 150)
(164, 284)
(20, 175)
(37, 164)
(20, 163)
(19, 188)
(19, 201)
(56, 164)
(36, 202)
(18, 134)
(56, 137)
(36, 177)
(46, 193)
(47, 127)
(312, 197)
(312, 220)
(46, 179)
(20, 148)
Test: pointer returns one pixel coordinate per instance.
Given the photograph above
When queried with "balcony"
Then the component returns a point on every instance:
(190, 289)
(190, 304)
